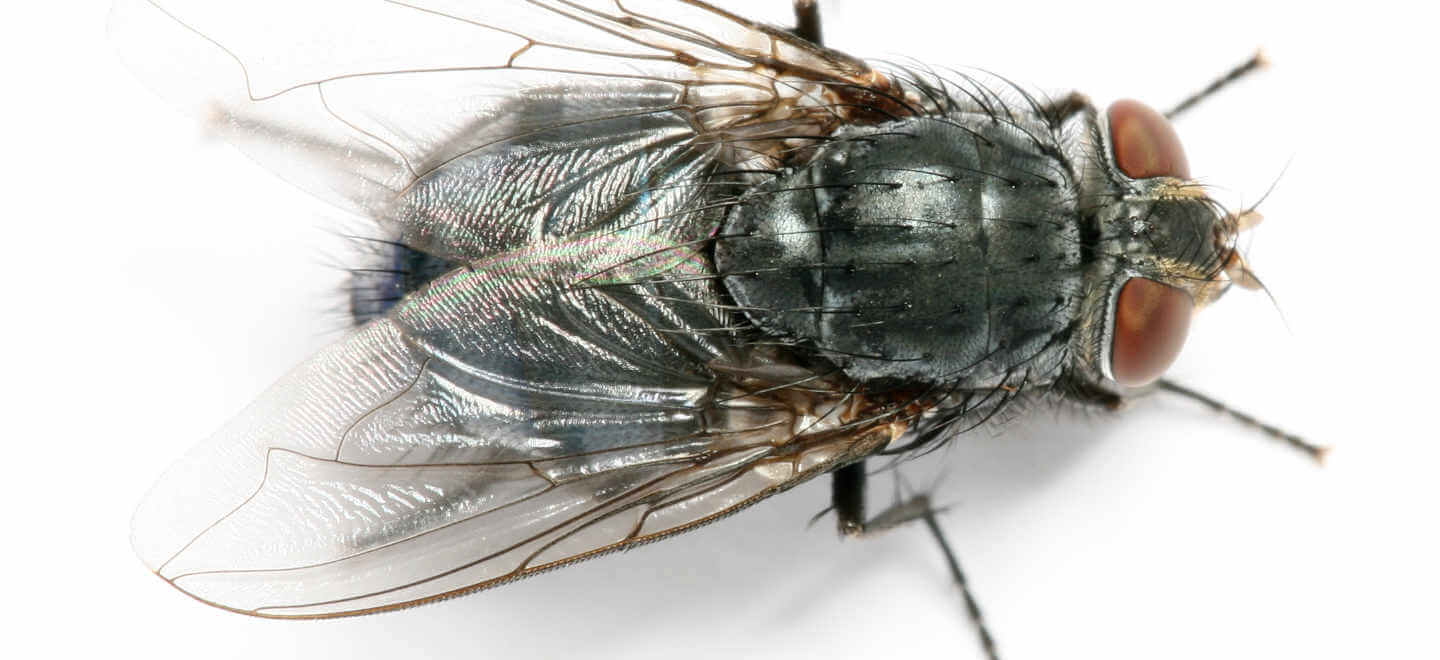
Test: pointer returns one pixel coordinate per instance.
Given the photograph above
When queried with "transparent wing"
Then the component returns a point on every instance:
(499, 422)
(575, 387)
(418, 114)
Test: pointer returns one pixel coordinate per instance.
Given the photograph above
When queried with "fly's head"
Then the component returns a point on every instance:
(1162, 250)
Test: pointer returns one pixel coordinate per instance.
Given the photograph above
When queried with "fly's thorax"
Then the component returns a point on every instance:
(935, 250)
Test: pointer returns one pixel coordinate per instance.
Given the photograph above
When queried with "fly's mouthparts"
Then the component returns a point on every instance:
(1239, 273)
(1246, 220)
(1237, 270)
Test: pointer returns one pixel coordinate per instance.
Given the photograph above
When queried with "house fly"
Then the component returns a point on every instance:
(642, 265)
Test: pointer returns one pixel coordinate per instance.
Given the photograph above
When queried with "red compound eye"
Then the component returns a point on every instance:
(1145, 143)
(1151, 321)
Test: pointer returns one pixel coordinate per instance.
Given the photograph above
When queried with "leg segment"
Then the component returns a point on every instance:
(972, 606)
(1314, 451)
(807, 21)
(1255, 63)
(847, 497)
(1058, 111)
(1100, 398)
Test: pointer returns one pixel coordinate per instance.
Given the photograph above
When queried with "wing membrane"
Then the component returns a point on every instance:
(576, 386)
(417, 114)
(496, 423)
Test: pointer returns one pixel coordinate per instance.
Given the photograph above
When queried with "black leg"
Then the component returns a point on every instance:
(807, 21)
(1255, 63)
(847, 498)
(1058, 111)
(1090, 395)
(1316, 452)
(972, 607)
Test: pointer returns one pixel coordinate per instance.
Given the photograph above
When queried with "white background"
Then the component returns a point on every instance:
(158, 281)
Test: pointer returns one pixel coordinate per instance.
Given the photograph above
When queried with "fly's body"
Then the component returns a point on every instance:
(942, 250)
(641, 267)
